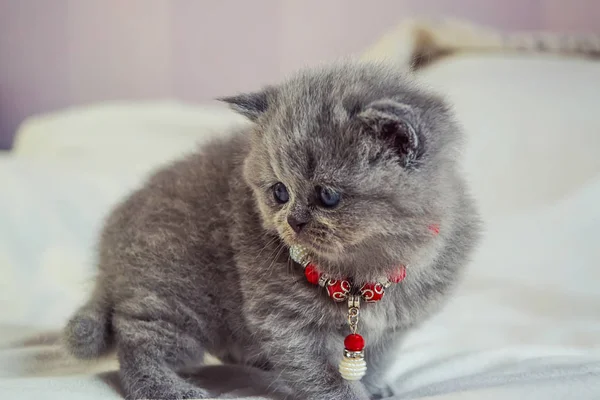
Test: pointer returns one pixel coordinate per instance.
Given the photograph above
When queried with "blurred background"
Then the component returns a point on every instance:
(60, 53)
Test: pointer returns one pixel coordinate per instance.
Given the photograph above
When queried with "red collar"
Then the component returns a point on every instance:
(353, 366)
(340, 289)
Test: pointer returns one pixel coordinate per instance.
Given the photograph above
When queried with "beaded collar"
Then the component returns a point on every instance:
(353, 365)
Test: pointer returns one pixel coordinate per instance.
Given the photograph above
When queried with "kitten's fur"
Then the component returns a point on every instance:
(197, 260)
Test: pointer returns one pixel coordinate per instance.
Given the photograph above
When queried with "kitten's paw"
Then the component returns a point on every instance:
(186, 393)
(193, 394)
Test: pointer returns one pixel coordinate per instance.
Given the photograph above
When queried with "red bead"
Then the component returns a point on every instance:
(399, 275)
(434, 228)
(338, 289)
(372, 292)
(354, 342)
(312, 274)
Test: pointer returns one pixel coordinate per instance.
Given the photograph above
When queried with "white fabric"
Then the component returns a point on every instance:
(525, 323)
(133, 137)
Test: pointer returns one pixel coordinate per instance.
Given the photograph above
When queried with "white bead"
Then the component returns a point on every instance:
(353, 369)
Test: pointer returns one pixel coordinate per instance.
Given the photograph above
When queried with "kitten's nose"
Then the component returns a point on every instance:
(296, 223)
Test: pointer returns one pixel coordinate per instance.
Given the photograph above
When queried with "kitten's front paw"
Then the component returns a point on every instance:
(183, 393)
(194, 394)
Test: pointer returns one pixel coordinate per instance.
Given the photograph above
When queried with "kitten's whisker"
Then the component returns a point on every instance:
(269, 243)
(269, 270)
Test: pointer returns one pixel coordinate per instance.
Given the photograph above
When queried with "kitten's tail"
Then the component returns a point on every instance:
(88, 333)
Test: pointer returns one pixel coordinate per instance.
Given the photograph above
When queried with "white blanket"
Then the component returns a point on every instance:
(524, 324)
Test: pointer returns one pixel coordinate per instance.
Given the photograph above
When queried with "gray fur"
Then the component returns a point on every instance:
(197, 259)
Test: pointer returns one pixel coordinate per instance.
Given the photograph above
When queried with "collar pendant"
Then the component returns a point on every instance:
(353, 366)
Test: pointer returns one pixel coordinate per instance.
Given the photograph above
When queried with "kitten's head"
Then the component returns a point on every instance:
(347, 158)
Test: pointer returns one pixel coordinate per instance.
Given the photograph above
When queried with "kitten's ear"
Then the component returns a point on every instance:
(393, 122)
(251, 105)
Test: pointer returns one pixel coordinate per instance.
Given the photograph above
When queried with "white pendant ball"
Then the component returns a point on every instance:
(353, 369)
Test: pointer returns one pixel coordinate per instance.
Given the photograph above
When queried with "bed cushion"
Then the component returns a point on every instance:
(136, 135)
(533, 133)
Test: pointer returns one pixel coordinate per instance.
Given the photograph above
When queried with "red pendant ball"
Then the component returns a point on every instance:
(399, 275)
(372, 292)
(338, 289)
(354, 342)
(312, 274)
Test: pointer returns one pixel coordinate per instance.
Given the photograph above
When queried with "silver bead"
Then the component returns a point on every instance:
(300, 255)
(323, 280)
(354, 354)
(354, 301)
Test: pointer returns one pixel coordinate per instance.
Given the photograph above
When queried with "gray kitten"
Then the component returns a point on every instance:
(352, 161)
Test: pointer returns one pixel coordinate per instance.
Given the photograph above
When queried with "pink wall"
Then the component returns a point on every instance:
(63, 52)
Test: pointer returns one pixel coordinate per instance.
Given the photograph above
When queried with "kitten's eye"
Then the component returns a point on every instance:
(280, 193)
(329, 198)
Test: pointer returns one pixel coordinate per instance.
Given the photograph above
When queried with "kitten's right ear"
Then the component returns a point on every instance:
(251, 105)
(395, 123)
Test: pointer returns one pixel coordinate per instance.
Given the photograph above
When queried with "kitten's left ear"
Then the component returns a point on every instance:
(394, 123)
(251, 105)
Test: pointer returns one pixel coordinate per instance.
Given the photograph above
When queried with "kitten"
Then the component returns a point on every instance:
(197, 259)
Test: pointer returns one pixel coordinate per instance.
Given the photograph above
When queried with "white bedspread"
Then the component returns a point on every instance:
(525, 323)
